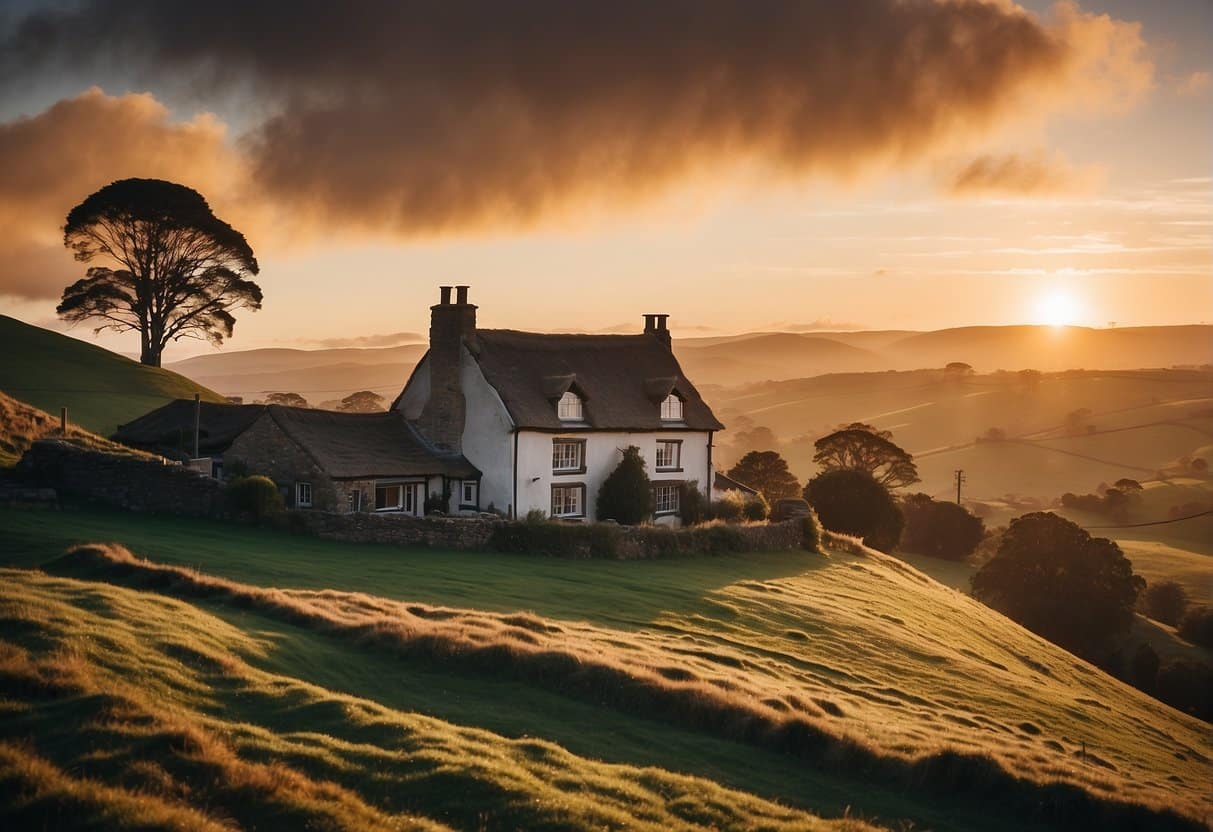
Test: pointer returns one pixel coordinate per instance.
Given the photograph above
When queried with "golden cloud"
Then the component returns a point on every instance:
(1015, 174)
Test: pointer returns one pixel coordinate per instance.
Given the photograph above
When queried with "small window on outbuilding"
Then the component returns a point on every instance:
(467, 494)
(671, 408)
(570, 409)
(303, 495)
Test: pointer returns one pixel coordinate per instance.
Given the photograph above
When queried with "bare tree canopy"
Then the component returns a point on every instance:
(175, 270)
(860, 447)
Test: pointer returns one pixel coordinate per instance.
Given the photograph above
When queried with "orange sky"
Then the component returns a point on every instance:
(1069, 183)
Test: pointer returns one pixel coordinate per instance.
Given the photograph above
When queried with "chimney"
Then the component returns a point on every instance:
(452, 326)
(655, 325)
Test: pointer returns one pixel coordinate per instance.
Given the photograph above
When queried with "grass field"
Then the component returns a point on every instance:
(100, 389)
(21, 425)
(817, 681)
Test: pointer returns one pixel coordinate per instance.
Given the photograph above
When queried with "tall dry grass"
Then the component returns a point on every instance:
(645, 680)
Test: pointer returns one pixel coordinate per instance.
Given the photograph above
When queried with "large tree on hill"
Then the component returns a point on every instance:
(767, 473)
(860, 447)
(170, 268)
(853, 502)
(1055, 579)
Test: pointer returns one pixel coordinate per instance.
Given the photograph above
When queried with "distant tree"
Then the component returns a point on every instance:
(1197, 626)
(172, 268)
(860, 447)
(1187, 685)
(958, 368)
(853, 502)
(286, 399)
(1077, 422)
(364, 401)
(767, 473)
(1126, 485)
(1165, 601)
(626, 496)
(1055, 579)
(939, 529)
(993, 435)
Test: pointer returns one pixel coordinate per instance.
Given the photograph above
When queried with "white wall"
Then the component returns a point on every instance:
(488, 440)
(416, 391)
(603, 452)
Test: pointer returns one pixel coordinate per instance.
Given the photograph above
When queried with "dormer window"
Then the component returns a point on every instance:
(569, 408)
(671, 408)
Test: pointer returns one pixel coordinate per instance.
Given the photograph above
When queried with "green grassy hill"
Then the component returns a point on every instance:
(100, 389)
(845, 681)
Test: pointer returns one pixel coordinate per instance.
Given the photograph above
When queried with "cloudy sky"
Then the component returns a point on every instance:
(877, 163)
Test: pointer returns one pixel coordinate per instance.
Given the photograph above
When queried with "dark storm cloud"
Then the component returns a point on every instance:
(427, 117)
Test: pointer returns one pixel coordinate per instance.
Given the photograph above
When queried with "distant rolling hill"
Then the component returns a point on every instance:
(100, 389)
(735, 360)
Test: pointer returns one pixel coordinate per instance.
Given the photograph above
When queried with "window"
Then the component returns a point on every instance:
(389, 497)
(671, 408)
(568, 501)
(399, 496)
(665, 498)
(303, 494)
(569, 409)
(353, 501)
(669, 455)
(568, 456)
(467, 494)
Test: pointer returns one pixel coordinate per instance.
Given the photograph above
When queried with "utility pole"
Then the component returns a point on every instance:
(960, 478)
(198, 422)
(63, 421)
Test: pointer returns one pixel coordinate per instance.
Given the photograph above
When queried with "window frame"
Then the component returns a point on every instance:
(353, 501)
(570, 397)
(299, 491)
(667, 402)
(564, 440)
(415, 487)
(676, 488)
(677, 466)
(464, 502)
(571, 486)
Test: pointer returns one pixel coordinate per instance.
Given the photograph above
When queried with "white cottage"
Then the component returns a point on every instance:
(544, 417)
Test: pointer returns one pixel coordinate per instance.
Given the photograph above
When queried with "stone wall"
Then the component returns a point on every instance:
(399, 529)
(130, 482)
(264, 448)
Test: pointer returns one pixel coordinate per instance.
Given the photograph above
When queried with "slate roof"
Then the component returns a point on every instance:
(345, 445)
(356, 445)
(219, 425)
(622, 378)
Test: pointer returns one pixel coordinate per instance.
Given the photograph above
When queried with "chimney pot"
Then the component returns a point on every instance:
(461, 295)
(444, 293)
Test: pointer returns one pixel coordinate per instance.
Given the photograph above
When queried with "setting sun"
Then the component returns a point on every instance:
(1057, 308)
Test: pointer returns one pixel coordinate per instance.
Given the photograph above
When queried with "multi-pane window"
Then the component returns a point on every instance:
(353, 501)
(569, 409)
(671, 409)
(668, 455)
(568, 501)
(568, 456)
(467, 495)
(404, 497)
(303, 494)
(665, 499)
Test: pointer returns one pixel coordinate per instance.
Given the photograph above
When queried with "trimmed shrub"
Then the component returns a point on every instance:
(853, 502)
(626, 496)
(810, 532)
(728, 507)
(1197, 626)
(1165, 601)
(256, 496)
(693, 505)
(756, 508)
(568, 540)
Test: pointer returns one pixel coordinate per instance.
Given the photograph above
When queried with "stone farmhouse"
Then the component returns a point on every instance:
(489, 420)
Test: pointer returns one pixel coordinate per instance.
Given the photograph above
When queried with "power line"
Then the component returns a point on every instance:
(1205, 513)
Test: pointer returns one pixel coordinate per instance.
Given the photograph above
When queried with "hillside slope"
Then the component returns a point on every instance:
(847, 679)
(21, 425)
(100, 389)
